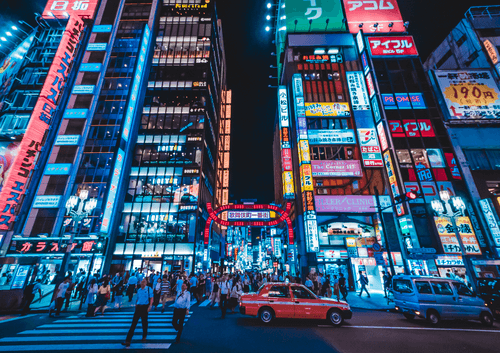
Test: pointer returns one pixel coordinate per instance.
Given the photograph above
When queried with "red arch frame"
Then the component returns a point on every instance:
(214, 217)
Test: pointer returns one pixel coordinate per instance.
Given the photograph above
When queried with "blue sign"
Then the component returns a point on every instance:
(90, 67)
(388, 101)
(67, 140)
(83, 89)
(75, 113)
(58, 169)
(403, 101)
(134, 93)
(113, 188)
(376, 109)
(97, 46)
(364, 61)
(102, 28)
(417, 101)
(364, 119)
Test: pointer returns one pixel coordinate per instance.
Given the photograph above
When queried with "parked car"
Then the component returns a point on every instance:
(488, 289)
(293, 301)
(437, 299)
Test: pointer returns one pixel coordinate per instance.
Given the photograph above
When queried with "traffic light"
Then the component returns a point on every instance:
(409, 196)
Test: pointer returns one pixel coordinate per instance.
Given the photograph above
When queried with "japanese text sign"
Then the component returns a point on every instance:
(469, 94)
(357, 90)
(392, 46)
(336, 169)
(115, 181)
(304, 16)
(45, 107)
(64, 8)
(374, 16)
(491, 219)
(468, 236)
(447, 235)
(327, 109)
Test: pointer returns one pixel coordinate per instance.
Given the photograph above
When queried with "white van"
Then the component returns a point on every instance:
(435, 298)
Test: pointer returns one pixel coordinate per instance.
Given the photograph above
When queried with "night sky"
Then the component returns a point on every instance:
(248, 55)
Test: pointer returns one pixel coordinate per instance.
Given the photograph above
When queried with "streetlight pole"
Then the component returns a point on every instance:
(78, 208)
(437, 206)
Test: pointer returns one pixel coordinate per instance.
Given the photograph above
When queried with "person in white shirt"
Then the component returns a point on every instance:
(181, 309)
(60, 296)
(224, 289)
(178, 285)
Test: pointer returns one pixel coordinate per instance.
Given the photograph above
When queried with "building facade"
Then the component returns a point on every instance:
(464, 71)
(142, 144)
(364, 153)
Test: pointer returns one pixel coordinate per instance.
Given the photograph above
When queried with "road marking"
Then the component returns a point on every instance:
(81, 338)
(98, 321)
(95, 325)
(205, 303)
(17, 318)
(415, 328)
(131, 313)
(79, 332)
(75, 347)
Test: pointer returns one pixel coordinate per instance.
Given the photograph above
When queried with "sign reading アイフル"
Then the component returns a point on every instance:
(306, 16)
(63, 8)
(469, 94)
(392, 46)
(45, 107)
(381, 16)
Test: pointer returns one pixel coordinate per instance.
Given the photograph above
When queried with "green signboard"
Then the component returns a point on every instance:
(319, 16)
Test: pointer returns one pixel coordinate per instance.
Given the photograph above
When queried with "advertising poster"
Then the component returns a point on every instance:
(314, 16)
(336, 169)
(368, 13)
(327, 109)
(468, 236)
(392, 46)
(447, 235)
(8, 151)
(469, 94)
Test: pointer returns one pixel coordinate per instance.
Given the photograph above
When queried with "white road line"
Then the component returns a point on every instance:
(76, 347)
(205, 303)
(17, 318)
(94, 325)
(98, 321)
(416, 328)
(79, 331)
(131, 313)
(81, 338)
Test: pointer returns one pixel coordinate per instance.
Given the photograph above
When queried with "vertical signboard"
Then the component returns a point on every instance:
(306, 179)
(491, 219)
(136, 83)
(468, 236)
(43, 112)
(314, 16)
(393, 181)
(374, 16)
(447, 235)
(285, 146)
(113, 187)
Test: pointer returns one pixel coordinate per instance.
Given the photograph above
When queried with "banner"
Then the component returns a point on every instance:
(469, 94)
(366, 14)
(45, 107)
(392, 46)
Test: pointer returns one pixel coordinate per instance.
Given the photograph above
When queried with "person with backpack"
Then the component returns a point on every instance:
(29, 294)
(363, 281)
(143, 305)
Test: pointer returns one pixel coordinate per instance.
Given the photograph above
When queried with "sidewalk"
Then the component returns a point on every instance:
(376, 301)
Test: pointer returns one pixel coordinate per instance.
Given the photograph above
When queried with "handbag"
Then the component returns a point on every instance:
(107, 296)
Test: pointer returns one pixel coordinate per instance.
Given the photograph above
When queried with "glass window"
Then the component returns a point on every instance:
(423, 287)
(403, 156)
(462, 289)
(442, 288)
(402, 285)
(494, 158)
(477, 159)
(279, 292)
(302, 293)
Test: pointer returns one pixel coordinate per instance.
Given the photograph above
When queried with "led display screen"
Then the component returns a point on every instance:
(314, 16)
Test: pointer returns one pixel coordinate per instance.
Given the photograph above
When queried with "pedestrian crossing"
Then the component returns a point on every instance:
(193, 302)
(101, 333)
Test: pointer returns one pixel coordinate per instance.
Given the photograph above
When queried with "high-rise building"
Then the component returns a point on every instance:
(465, 73)
(140, 145)
(365, 156)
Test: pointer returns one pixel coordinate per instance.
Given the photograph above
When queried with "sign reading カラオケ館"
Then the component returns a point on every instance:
(45, 107)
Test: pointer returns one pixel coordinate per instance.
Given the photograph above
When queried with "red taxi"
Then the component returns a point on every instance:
(293, 301)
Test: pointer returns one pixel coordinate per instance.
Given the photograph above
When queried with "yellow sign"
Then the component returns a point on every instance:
(327, 109)
(288, 187)
(492, 51)
(447, 235)
(306, 179)
(350, 242)
(471, 94)
(304, 155)
(468, 236)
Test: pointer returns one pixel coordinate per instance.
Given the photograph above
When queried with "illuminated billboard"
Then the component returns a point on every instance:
(331, 137)
(45, 107)
(65, 8)
(336, 169)
(370, 149)
(314, 16)
(393, 181)
(357, 90)
(285, 146)
(327, 109)
(469, 94)
(374, 16)
(392, 46)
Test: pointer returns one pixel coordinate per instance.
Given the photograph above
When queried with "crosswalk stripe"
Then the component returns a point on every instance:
(205, 303)
(73, 347)
(98, 321)
(103, 325)
(81, 338)
(80, 332)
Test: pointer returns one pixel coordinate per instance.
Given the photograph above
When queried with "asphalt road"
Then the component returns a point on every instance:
(205, 331)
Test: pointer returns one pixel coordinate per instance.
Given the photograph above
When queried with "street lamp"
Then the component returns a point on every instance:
(449, 209)
(78, 208)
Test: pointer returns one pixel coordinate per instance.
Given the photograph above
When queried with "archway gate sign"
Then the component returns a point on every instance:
(213, 216)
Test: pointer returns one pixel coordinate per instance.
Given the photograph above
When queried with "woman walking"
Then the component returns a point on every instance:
(156, 293)
(236, 292)
(91, 297)
(103, 295)
(118, 290)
